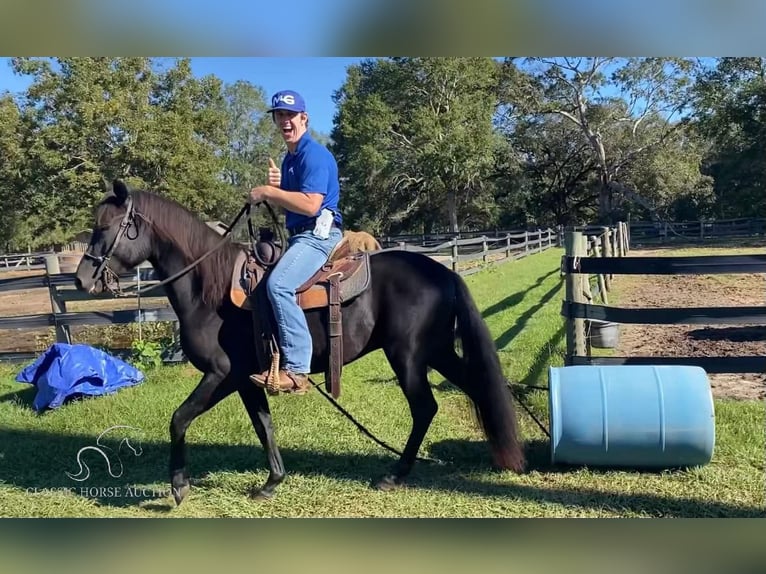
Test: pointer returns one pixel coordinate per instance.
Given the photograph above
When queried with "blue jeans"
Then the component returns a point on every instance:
(305, 254)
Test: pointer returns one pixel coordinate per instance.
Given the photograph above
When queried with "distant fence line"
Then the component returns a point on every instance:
(664, 231)
(466, 256)
(457, 252)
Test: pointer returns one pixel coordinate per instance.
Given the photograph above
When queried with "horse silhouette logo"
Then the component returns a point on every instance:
(115, 471)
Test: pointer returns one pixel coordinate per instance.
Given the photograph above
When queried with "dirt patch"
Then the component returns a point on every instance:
(696, 340)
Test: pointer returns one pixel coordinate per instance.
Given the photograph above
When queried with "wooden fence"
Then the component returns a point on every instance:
(578, 308)
(466, 256)
(469, 255)
(665, 232)
(23, 261)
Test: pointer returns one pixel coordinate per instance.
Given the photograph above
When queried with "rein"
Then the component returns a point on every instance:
(245, 209)
(109, 277)
(193, 264)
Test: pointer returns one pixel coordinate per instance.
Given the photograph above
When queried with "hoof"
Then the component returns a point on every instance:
(260, 495)
(388, 483)
(180, 487)
(180, 493)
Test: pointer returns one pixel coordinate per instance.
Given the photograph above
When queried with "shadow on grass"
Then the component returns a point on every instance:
(524, 318)
(36, 461)
(543, 359)
(24, 397)
(515, 298)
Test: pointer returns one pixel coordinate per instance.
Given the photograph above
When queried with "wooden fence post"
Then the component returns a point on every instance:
(454, 254)
(625, 238)
(598, 252)
(58, 305)
(526, 243)
(586, 277)
(484, 249)
(507, 245)
(575, 328)
(606, 251)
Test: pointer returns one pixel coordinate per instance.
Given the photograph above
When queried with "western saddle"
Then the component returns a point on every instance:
(344, 276)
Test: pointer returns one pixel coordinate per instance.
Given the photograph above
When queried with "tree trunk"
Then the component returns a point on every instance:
(605, 200)
(452, 211)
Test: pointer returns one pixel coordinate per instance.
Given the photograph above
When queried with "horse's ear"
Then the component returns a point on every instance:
(121, 190)
(106, 185)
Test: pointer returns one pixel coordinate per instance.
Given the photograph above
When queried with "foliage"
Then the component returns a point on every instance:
(83, 120)
(423, 144)
(414, 138)
(621, 108)
(731, 115)
(146, 355)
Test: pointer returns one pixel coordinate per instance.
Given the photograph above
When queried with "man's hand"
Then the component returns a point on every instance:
(275, 174)
(258, 194)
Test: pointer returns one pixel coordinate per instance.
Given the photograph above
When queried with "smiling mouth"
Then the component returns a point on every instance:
(287, 131)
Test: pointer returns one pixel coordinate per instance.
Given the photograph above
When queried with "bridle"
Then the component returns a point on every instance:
(110, 279)
(103, 272)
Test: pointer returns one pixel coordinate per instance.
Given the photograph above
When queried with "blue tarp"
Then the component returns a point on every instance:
(65, 370)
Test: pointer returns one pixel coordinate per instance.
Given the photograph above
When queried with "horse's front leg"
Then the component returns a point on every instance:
(210, 390)
(257, 406)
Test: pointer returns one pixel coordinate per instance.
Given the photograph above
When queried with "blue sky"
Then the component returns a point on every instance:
(314, 78)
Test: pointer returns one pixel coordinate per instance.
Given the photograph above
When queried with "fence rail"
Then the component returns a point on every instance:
(465, 256)
(457, 252)
(577, 265)
(23, 261)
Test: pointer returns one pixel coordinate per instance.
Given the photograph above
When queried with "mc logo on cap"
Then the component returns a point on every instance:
(287, 100)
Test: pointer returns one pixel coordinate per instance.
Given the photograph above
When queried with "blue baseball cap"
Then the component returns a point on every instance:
(287, 100)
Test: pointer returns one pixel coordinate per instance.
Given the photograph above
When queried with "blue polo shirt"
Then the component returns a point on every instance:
(311, 168)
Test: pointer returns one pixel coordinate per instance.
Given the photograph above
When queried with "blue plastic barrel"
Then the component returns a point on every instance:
(631, 416)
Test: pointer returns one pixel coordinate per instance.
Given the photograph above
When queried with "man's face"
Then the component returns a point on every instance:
(292, 125)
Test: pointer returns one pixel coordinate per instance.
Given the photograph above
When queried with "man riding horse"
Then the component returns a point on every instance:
(307, 187)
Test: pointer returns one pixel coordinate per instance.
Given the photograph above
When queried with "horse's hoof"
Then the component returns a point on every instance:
(388, 483)
(180, 487)
(179, 493)
(260, 495)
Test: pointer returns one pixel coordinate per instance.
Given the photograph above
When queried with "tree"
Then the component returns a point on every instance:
(250, 141)
(609, 100)
(12, 168)
(730, 111)
(551, 177)
(414, 139)
(84, 119)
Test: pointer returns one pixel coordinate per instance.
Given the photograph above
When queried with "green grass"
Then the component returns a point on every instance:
(331, 464)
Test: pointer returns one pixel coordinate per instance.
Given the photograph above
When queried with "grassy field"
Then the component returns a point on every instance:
(331, 465)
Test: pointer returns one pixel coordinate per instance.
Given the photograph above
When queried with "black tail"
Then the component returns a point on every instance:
(491, 394)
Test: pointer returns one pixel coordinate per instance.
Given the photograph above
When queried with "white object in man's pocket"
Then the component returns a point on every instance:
(323, 224)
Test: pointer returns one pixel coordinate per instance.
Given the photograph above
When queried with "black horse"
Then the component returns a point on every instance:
(414, 309)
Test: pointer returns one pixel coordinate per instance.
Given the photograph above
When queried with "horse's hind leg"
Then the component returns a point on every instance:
(452, 367)
(257, 407)
(208, 393)
(413, 379)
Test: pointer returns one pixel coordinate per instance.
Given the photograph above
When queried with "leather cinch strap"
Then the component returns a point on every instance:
(335, 332)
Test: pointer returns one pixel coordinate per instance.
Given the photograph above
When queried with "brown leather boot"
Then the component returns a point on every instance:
(289, 382)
